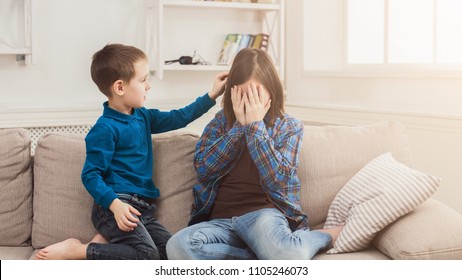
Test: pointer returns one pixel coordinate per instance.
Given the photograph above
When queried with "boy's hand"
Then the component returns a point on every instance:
(237, 98)
(257, 103)
(124, 215)
(218, 85)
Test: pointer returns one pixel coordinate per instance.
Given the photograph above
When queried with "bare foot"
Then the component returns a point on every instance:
(98, 238)
(69, 249)
(334, 232)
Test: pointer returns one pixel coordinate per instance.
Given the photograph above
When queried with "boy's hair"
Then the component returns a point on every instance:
(254, 63)
(114, 62)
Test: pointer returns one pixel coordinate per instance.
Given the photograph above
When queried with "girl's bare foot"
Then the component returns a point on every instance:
(69, 249)
(334, 232)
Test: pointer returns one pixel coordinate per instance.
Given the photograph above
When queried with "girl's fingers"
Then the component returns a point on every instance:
(262, 94)
(233, 95)
(251, 95)
(241, 98)
(246, 99)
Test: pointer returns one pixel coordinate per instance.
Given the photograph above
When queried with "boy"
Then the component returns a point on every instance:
(118, 166)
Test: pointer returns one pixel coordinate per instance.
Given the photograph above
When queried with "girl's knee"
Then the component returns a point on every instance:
(176, 246)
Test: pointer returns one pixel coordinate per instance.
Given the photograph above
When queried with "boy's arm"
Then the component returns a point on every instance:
(100, 144)
(175, 119)
(179, 118)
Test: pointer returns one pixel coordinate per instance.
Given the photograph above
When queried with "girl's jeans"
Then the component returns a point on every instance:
(261, 234)
(146, 241)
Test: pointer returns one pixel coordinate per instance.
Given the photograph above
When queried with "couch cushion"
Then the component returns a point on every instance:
(368, 254)
(62, 206)
(381, 192)
(439, 235)
(175, 177)
(15, 188)
(15, 253)
(332, 155)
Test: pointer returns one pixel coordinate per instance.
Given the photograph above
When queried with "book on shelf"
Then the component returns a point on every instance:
(235, 42)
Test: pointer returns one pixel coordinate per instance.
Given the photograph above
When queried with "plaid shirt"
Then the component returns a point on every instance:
(275, 151)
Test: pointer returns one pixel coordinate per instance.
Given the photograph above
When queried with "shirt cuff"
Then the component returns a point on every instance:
(207, 101)
(237, 130)
(255, 130)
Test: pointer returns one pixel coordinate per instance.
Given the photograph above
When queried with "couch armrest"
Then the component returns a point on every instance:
(431, 231)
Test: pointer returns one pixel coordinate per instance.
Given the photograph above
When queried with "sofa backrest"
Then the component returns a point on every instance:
(15, 188)
(62, 206)
(175, 176)
(332, 155)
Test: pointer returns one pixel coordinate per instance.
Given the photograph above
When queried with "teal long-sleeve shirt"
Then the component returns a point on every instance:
(119, 149)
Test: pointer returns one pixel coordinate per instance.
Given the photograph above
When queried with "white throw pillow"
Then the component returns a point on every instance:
(381, 192)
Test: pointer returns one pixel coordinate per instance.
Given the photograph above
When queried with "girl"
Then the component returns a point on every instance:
(246, 202)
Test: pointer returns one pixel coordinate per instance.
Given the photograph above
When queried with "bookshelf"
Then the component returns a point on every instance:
(177, 28)
(20, 21)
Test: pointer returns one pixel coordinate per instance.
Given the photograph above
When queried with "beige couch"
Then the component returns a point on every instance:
(42, 200)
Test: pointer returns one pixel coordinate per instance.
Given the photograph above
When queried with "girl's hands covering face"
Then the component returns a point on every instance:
(257, 103)
(237, 98)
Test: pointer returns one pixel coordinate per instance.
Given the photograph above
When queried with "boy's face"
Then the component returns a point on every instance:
(135, 91)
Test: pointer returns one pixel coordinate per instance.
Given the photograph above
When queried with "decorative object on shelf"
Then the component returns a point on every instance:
(189, 60)
(201, 61)
(235, 42)
(183, 60)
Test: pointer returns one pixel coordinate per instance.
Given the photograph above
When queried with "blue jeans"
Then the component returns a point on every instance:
(146, 242)
(262, 234)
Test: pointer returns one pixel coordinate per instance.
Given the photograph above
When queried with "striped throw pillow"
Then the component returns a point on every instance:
(380, 193)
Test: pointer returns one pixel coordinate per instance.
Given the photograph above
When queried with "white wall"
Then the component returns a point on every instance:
(430, 106)
(67, 33)
(59, 87)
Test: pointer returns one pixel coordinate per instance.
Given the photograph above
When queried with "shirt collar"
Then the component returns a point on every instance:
(114, 114)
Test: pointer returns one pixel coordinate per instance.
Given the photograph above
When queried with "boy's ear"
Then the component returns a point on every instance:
(118, 87)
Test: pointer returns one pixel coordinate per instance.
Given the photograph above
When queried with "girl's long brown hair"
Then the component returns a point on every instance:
(257, 64)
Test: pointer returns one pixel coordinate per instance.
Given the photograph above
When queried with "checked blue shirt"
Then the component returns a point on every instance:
(275, 151)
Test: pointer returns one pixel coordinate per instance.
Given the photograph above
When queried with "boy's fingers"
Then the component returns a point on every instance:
(134, 210)
(222, 75)
(128, 224)
(132, 219)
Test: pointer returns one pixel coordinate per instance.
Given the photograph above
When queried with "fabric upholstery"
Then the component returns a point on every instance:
(15, 253)
(370, 253)
(332, 155)
(175, 176)
(62, 206)
(15, 188)
(433, 231)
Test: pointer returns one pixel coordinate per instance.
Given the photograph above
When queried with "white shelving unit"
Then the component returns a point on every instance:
(179, 27)
(21, 15)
